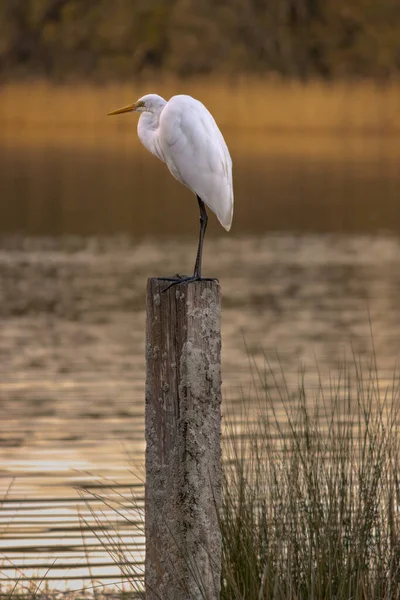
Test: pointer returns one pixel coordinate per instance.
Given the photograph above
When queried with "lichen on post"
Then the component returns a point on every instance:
(183, 441)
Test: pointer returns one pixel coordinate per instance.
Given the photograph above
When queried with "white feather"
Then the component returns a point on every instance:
(184, 135)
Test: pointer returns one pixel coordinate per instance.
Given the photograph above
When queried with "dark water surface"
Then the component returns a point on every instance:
(313, 261)
(103, 185)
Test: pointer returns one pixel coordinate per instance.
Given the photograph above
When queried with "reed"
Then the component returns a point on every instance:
(311, 492)
(310, 501)
(246, 103)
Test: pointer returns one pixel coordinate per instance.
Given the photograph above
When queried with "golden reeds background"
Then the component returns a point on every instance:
(250, 104)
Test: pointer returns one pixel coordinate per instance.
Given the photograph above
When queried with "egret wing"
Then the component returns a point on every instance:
(197, 155)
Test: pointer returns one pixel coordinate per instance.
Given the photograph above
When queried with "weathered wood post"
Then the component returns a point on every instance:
(183, 441)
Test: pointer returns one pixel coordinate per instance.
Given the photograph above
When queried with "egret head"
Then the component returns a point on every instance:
(150, 103)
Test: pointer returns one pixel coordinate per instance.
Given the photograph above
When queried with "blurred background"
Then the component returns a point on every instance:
(307, 95)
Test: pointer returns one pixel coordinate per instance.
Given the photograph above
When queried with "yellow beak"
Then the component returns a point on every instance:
(119, 111)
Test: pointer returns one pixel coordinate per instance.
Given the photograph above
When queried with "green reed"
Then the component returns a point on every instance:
(311, 492)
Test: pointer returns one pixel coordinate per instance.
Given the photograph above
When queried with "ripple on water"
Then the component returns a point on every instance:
(72, 361)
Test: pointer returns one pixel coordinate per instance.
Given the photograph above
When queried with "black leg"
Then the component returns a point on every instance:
(203, 227)
(197, 266)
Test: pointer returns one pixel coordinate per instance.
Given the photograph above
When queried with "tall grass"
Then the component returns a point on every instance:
(310, 492)
(247, 103)
(311, 502)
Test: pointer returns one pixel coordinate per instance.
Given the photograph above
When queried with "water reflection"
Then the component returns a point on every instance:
(72, 326)
(108, 184)
(72, 308)
(72, 359)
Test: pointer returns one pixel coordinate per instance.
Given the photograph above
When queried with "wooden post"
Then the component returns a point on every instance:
(183, 441)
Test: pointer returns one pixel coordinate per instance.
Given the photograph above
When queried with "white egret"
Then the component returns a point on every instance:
(183, 134)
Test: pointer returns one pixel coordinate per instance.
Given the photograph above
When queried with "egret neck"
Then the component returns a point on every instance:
(148, 125)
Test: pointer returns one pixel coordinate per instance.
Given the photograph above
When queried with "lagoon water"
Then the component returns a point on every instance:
(309, 273)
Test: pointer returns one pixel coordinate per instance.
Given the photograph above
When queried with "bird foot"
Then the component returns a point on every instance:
(183, 279)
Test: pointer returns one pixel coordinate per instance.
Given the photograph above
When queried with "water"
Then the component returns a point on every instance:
(92, 184)
(312, 263)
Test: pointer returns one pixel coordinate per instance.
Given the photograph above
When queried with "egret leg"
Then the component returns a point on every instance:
(197, 265)
(203, 227)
